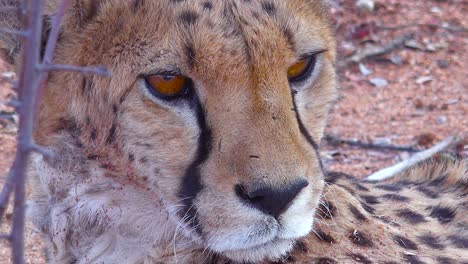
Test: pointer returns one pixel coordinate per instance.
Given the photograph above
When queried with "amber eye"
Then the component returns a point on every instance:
(302, 69)
(168, 86)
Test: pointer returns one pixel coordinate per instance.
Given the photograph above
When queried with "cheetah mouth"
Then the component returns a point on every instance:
(272, 251)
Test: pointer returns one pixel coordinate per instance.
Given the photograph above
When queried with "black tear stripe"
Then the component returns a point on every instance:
(191, 184)
(305, 133)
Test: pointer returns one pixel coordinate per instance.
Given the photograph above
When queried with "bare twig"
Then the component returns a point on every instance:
(334, 140)
(53, 35)
(44, 152)
(5, 236)
(445, 27)
(14, 32)
(376, 50)
(413, 160)
(83, 70)
(28, 87)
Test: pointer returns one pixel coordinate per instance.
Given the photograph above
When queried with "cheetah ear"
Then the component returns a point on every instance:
(78, 14)
(10, 43)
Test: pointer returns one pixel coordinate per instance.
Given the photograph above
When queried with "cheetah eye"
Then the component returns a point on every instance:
(303, 69)
(168, 86)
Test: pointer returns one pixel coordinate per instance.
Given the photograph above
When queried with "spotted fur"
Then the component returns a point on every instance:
(137, 179)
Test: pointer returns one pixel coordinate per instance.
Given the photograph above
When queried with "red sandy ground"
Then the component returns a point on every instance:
(404, 112)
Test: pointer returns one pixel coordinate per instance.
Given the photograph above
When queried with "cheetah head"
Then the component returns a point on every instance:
(215, 106)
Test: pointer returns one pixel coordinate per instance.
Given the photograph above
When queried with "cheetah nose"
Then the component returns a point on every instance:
(271, 200)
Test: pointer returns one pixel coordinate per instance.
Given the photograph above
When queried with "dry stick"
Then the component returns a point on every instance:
(376, 50)
(28, 86)
(334, 140)
(446, 27)
(413, 160)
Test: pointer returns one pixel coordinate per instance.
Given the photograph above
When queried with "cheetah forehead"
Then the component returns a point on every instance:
(204, 35)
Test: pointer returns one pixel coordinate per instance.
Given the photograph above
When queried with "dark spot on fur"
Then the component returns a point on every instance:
(322, 236)
(190, 53)
(412, 259)
(157, 171)
(301, 246)
(269, 7)
(431, 241)
(411, 216)
(143, 160)
(207, 5)
(188, 17)
(405, 242)
(445, 260)
(137, 5)
(326, 210)
(332, 177)
(395, 197)
(459, 241)
(324, 261)
(289, 37)
(256, 15)
(131, 157)
(69, 125)
(443, 214)
(427, 192)
(357, 214)
(348, 189)
(87, 86)
(115, 109)
(92, 157)
(360, 239)
(112, 133)
(368, 208)
(389, 187)
(439, 180)
(370, 199)
(359, 258)
(361, 187)
(93, 134)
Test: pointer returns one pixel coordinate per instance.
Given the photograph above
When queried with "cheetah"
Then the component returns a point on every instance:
(202, 147)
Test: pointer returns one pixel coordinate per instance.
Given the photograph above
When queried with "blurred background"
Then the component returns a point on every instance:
(404, 83)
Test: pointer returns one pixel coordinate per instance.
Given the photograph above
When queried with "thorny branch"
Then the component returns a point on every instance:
(446, 27)
(334, 140)
(32, 77)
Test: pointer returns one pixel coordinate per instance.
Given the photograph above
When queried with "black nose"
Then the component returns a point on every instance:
(272, 201)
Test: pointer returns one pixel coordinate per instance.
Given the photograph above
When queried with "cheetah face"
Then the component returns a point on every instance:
(215, 106)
